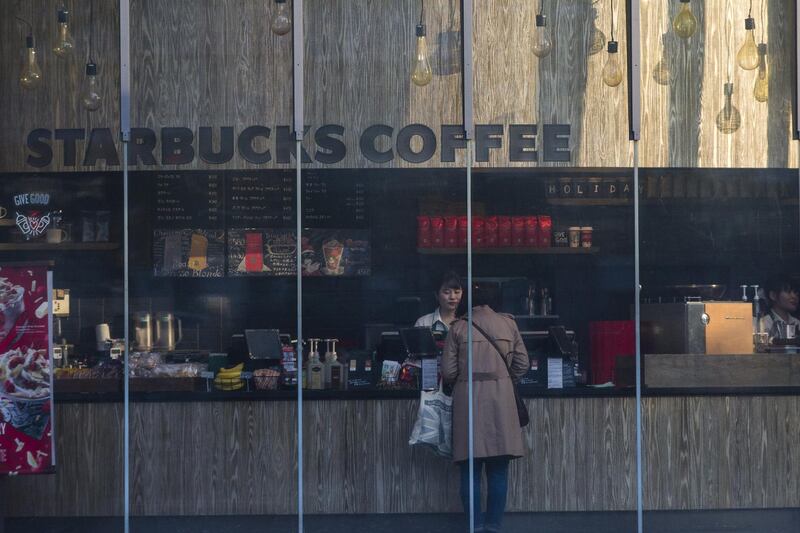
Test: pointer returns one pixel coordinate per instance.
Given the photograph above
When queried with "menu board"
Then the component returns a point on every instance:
(258, 200)
(262, 252)
(241, 223)
(26, 399)
(189, 253)
(336, 252)
(334, 201)
(188, 200)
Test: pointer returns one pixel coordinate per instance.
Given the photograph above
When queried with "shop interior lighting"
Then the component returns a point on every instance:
(612, 70)
(421, 73)
(282, 20)
(65, 45)
(31, 75)
(761, 87)
(747, 56)
(684, 23)
(90, 94)
(542, 43)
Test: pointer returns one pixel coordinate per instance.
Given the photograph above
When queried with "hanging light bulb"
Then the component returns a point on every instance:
(761, 89)
(65, 46)
(612, 70)
(661, 73)
(90, 95)
(541, 37)
(728, 119)
(421, 73)
(31, 75)
(747, 56)
(685, 23)
(597, 39)
(281, 20)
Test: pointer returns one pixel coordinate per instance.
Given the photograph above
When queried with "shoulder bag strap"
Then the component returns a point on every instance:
(496, 347)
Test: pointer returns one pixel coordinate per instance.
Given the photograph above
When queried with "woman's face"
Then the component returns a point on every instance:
(786, 300)
(449, 299)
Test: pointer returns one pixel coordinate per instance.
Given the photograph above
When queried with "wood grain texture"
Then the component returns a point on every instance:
(216, 63)
(708, 371)
(678, 120)
(225, 458)
(89, 466)
(55, 103)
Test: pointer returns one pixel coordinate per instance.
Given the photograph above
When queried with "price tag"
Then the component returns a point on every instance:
(247, 375)
(207, 375)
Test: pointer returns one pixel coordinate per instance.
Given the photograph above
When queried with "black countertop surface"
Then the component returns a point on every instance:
(382, 394)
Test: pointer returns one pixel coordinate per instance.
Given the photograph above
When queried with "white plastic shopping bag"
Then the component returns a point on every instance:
(434, 425)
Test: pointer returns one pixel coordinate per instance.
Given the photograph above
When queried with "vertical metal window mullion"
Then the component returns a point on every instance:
(468, 122)
(634, 118)
(297, 105)
(125, 136)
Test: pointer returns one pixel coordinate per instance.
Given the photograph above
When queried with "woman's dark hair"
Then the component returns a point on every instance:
(450, 280)
(485, 294)
(778, 283)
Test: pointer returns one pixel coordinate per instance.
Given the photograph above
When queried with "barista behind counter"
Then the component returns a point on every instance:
(448, 295)
(782, 296)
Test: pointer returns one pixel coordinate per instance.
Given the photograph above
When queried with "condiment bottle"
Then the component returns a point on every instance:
(316, 370)
(333, 368)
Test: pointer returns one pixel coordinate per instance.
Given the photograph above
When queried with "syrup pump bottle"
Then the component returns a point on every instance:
(333, 368)
(316, 370)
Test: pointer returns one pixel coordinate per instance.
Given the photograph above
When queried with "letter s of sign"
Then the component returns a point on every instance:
(42, 151)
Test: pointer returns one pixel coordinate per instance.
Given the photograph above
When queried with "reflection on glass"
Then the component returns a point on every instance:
(661, 73)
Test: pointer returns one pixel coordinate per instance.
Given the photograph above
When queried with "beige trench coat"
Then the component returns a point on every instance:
(496, 424)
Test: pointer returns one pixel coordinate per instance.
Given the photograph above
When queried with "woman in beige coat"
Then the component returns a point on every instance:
(497, 433)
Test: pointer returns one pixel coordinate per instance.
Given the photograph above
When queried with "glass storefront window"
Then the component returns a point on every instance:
(344, 279)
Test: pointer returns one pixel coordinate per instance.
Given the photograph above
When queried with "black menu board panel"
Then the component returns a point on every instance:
(336, 252)
(188, 253)
(262, 252)
(260, 199)
(186, 200)
(334, 201)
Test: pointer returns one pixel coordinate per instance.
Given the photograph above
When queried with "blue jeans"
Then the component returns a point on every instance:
(497, 489)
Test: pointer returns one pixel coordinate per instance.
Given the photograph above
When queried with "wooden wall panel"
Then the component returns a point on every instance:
(88, 479)
(679, 120)
(55, 103)
(216, 63)
(224, 458)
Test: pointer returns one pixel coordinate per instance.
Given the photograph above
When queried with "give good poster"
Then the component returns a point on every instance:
(26, 399)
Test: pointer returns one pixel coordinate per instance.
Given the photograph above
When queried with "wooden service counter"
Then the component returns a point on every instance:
(229, 453)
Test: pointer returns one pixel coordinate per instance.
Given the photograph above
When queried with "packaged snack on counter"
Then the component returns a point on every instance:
(390, 371)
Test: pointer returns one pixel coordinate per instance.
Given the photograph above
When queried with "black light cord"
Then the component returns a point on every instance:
(28, 24)
(612, 20)
(750, 11)
(421, 10)
(541, 6)
(91, 31)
